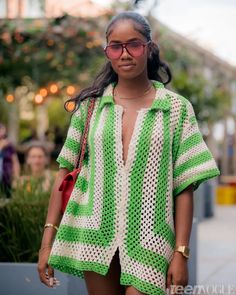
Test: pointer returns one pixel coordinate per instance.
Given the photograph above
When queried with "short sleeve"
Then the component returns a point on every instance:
(69, 153)
(193, 162)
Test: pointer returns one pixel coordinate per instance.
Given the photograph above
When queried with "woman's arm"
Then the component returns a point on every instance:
(54, 209)
(178, 272)
(183, 216)
(54, 217)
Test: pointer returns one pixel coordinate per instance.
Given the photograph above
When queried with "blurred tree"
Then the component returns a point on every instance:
(46, 52)
(38, 56)
(3, 113)
(47, 56)
(209, 97)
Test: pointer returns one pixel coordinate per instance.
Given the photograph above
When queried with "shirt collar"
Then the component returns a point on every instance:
(161, 101)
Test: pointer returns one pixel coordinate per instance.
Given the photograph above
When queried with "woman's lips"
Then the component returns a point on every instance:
(127, 67)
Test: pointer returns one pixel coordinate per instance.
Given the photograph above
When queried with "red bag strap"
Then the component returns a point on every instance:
(85, 134)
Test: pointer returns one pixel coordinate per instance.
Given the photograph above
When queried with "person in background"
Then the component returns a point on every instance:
(37, 176)
(9, 164)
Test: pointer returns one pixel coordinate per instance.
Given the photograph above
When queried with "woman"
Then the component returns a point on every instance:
(127, 225)
(37, 177)
(9, 164)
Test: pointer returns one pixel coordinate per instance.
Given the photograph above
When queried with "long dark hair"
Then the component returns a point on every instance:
(156, 68)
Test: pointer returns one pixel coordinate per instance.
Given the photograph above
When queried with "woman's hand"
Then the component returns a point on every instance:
(177, 275)
(46, 272)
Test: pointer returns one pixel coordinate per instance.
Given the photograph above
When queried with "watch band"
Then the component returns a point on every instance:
(184, 250)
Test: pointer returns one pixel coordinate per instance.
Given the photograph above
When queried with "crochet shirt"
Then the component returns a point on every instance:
(131, 206)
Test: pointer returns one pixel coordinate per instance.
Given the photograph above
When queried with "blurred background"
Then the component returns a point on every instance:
(50, 50)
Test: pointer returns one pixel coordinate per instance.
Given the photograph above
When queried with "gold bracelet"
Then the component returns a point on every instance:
(51, 225)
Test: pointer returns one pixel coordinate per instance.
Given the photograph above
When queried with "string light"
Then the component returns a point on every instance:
(10, 98)
(38, 99)
(53, 88)
(70, 106)
(70, 90)
(43, 92)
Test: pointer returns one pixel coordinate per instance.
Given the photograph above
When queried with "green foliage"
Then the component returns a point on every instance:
(68, 51)
(47, 51)
(209, 97)
(25, 131)
(63, 51)
(57, 114)
(3, 108)
(21, 224)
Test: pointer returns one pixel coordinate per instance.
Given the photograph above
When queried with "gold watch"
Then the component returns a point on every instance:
(184, 250)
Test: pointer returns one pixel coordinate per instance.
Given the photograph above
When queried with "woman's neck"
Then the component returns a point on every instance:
(37, 173)
(132, 87)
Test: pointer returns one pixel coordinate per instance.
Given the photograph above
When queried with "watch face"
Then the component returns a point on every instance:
(186, 252)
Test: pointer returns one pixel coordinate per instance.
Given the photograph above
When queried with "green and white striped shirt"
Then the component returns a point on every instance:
(129, 206)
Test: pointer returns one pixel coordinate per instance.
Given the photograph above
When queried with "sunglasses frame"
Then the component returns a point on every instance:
(124, 45)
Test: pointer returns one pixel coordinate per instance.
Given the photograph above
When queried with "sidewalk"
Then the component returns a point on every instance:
(217, 248)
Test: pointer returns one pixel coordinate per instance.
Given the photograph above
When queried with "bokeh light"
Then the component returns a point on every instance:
(10, 98)
(70, 90)
(53, 88)
(70, 106)
(43, 92)
(38, 99)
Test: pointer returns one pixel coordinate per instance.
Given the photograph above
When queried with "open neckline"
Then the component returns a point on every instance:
(159, 102)
(126, 164)
(154, 84)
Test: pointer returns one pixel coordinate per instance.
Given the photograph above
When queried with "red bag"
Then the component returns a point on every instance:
(69, 180)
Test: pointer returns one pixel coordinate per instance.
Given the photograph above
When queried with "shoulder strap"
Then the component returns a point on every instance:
(85, 133)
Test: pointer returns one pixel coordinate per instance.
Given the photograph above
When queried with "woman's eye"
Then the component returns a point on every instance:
(115, 47)
(134, 44)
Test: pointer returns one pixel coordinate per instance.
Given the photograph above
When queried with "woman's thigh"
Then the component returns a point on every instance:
(130, 290)
(106, 285)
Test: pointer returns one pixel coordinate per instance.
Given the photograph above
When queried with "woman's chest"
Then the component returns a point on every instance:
(125, 134)
(128, 120)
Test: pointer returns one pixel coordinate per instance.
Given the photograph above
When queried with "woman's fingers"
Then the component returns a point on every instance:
(46, 272)
(55, 281)
(50, 276)
(177, 275)
(47, 279)
(43, 275)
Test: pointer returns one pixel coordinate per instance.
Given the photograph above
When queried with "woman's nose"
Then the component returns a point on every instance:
(125, 53)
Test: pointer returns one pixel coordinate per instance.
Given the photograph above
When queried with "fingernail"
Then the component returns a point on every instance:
(51, 282)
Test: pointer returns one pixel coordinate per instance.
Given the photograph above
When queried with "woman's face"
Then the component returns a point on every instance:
(127, 66)
(36, 159)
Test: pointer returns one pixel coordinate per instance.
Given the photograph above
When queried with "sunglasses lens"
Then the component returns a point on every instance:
(135, 49)
(114, 51)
